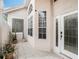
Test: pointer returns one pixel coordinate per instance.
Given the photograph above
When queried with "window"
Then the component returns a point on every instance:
(17, 25)
(42, 25)
(30, 9)
(30, 26)
(57, 32)
(71, 33)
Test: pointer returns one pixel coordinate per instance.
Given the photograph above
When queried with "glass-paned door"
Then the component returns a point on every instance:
(68, 35)
(71, 33)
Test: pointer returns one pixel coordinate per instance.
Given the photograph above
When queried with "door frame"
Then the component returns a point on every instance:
(68, 53)
(60, 47)
(57, 48)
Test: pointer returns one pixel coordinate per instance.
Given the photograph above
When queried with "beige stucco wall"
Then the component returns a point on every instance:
(4, 31)
(40, 5)
(61, 7)
(17, 14)
(65, 6)
(0, 38)
(43, 44)
(31, 39)
(5, 34)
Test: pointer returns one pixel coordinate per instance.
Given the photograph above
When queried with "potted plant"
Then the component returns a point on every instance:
(14, 37)
(8, 51)
(1, 54)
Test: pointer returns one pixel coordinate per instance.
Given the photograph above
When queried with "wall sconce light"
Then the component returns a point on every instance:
(35, 10)
(55, 0)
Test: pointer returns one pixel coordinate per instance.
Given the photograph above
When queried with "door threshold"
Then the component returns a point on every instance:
(65, 56)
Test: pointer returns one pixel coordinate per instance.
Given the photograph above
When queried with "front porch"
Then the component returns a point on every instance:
(44, 26)
(24, 50)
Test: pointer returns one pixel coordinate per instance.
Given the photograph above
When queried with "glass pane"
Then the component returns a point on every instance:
(44, 36)
(30, 9)
(42, 30)
(42, 24)
(30, 26)
(71, 33)
(40, 35)
(56, 32)
(17, 25)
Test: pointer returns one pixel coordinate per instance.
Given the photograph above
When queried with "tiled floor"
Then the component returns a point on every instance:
(25, 51)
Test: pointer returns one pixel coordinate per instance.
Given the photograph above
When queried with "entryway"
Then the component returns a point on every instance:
(24, 50)
(67, 34)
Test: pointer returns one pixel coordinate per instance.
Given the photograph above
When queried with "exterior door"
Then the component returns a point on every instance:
(68, 35)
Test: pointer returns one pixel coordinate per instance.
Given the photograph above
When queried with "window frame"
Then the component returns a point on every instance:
(14, 25)
(30, 26)
(30, 9)
(42, 26)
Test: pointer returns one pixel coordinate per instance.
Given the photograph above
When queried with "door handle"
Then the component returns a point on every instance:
(61, 32)
(61, 35)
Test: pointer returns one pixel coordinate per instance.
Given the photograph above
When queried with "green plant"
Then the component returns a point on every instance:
(10, 37)
(14, 38)
(1, 54)
(9, 48)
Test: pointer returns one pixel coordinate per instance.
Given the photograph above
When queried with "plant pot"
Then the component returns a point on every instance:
(1, 56)
(9, 56)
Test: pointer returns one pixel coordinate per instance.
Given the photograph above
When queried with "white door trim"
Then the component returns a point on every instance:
(60, 47)
(70, 54)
